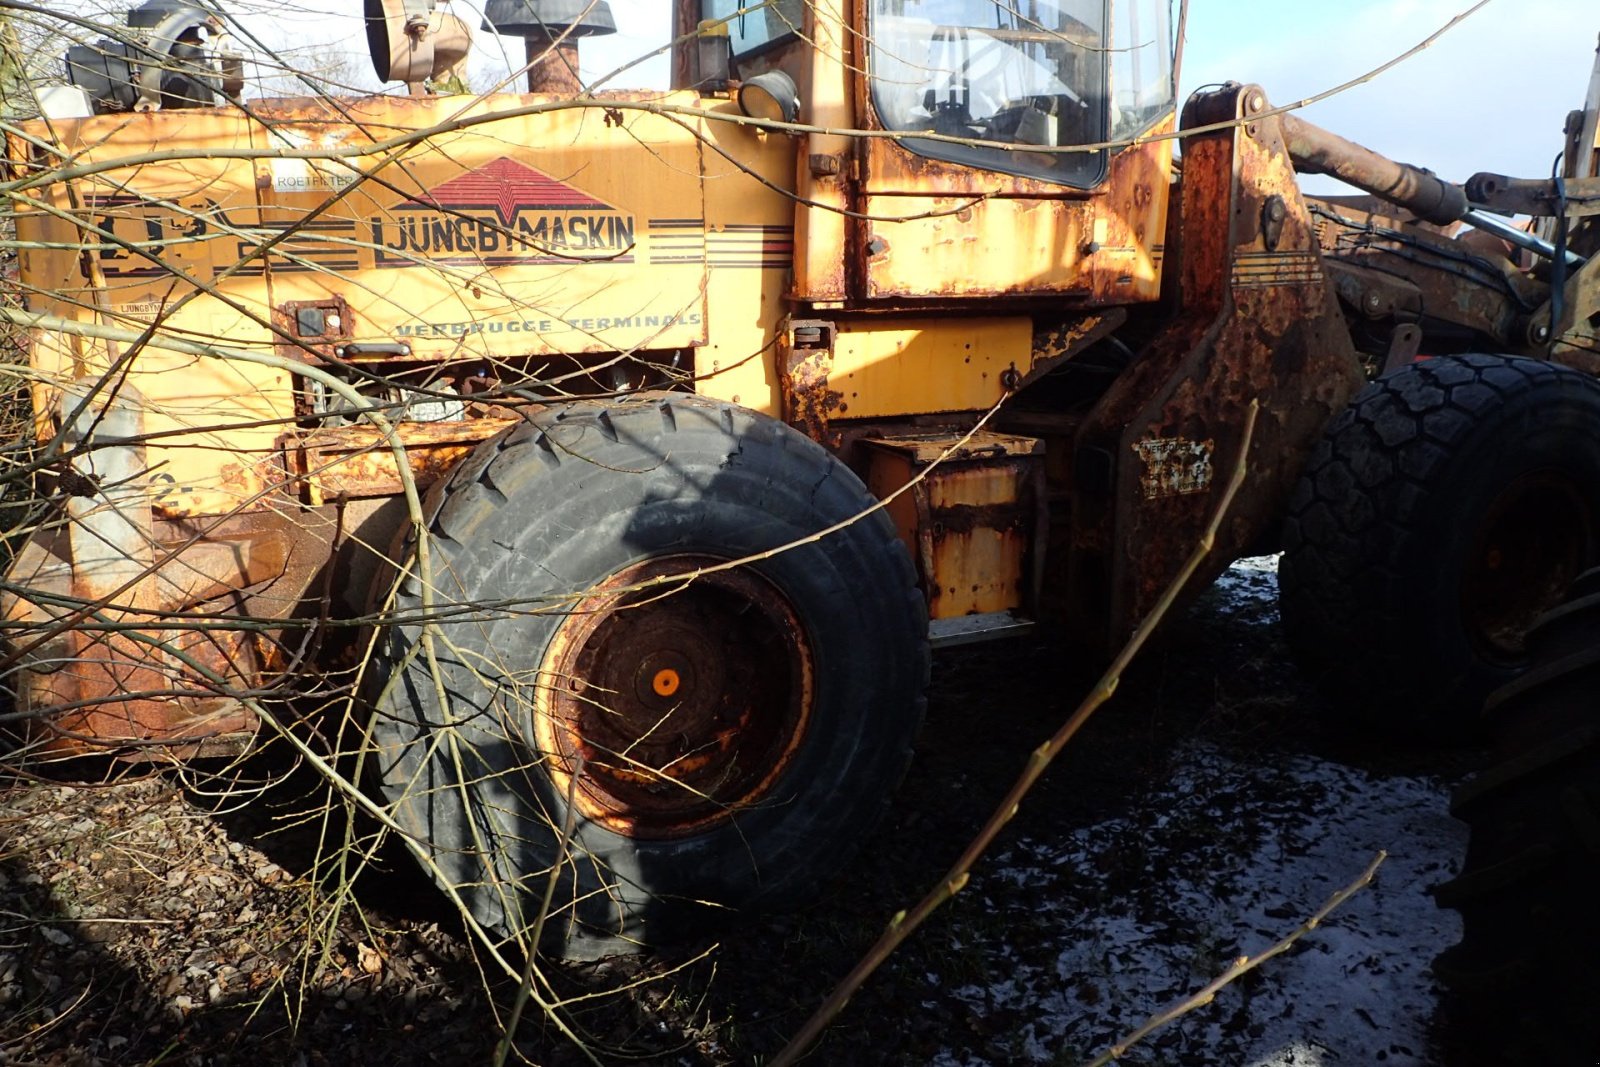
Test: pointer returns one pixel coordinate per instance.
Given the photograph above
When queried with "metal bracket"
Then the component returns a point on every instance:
(807, 360)
(1404, 344)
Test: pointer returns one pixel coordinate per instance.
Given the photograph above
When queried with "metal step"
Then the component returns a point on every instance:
(972, 629)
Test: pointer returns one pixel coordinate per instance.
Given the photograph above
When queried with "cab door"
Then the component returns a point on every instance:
(975, 181)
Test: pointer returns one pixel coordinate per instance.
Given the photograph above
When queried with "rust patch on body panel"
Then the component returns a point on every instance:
(112, 668)
(975, 522)
(356, 461)
(807, 361)
(808, 403)
(967, 233)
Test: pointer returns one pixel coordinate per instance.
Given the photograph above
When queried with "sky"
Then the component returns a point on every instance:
(1492, 94)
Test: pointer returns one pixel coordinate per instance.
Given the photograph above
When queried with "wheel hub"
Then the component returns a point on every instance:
(1534, 541)
(673, 697)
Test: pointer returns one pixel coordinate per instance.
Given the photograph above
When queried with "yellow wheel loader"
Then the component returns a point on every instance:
(611, 460)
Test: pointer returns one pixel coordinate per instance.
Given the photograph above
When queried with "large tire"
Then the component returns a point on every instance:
(726, 740)
(1441, 514)
(1523, 979)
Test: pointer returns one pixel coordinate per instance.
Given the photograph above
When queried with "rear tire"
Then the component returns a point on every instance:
(725, 741)
(1523, 981)
(1441, 514)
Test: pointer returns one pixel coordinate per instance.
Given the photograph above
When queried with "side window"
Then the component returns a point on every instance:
(1029, 74)
(754, 25)
(1141, 66)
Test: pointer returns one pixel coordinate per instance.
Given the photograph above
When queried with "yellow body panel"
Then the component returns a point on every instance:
(560, 231)
(750, 248)
(182, 210)
(904, 366)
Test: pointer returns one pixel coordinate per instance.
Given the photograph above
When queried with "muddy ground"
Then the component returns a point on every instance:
(163, 919)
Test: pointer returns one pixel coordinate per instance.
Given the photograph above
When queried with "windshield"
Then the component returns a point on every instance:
(1025, 72)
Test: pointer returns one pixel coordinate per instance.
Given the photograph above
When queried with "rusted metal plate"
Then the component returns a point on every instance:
(808, 401)
(974, 519)
(100, 665)
(1259, 323)
(357, 461)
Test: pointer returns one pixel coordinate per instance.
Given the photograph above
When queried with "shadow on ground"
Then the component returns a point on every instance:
(162, 919)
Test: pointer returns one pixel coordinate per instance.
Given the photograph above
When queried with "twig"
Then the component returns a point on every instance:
(532, 948)
(902, 925)
(1239, 967)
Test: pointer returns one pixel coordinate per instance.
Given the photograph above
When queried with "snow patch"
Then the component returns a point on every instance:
(1222, 859)
(1248, 591)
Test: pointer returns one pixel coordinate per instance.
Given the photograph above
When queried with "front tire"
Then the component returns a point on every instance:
(1442, 513)
(725, 734)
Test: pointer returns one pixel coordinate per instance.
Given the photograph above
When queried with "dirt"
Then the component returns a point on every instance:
(175, 918)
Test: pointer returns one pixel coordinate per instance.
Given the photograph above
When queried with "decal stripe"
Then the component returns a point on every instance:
(751, 246)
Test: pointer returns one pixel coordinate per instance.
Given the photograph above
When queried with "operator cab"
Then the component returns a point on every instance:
(1041, 74)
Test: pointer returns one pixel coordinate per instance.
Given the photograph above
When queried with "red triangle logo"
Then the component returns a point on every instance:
(507, 187)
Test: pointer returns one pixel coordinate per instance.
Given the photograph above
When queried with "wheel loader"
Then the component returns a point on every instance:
(610, 461)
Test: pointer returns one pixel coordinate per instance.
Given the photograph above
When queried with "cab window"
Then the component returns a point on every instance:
(1141, 67)
(1031, 73)
(754, 25)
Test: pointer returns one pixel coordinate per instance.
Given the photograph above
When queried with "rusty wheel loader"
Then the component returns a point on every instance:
(617, 457)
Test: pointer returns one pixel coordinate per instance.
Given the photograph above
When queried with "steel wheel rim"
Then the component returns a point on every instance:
(668, 704)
